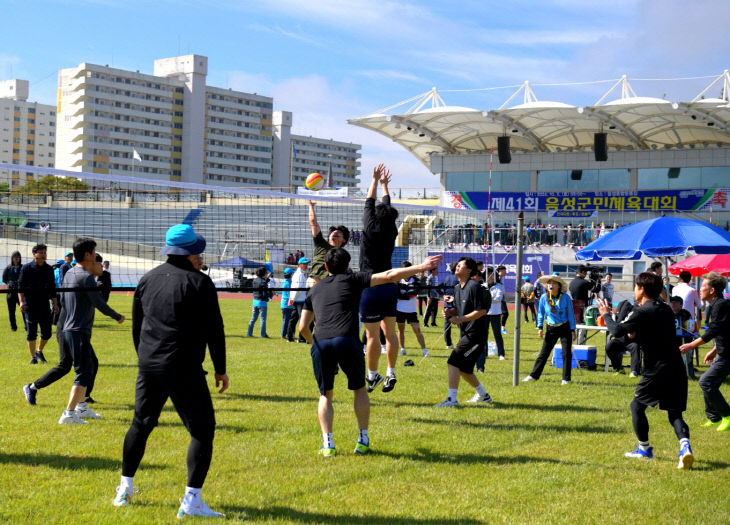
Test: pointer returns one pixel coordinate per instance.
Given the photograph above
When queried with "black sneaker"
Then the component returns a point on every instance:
(41, 358)
(33, 360)
(389, 384)
(89, 400)
(29, 394)
(373, 383)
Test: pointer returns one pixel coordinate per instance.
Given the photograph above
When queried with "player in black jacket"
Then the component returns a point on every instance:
(716, 407)
(664, 381)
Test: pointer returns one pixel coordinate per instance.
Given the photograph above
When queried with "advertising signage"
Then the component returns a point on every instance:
(586, 204)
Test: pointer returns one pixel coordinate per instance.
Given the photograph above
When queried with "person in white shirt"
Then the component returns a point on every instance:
(406, 309)
(494, 318)
(297, 298)
(691, 303)
(688, 294)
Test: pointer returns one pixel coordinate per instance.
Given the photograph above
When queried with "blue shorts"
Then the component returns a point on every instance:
(378, 302)
(343, 351)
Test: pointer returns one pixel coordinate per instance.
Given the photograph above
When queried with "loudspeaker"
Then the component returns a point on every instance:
(600, 147)
(503, 150)
(673, 173)
(576, 175)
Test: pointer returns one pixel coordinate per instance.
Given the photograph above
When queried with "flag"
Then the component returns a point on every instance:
(294, 150)
(135, 155)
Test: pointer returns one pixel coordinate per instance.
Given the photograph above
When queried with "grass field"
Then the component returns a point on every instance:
(543, 453)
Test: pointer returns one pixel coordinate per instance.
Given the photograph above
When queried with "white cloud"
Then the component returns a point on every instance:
(389, 74)
(293, 35)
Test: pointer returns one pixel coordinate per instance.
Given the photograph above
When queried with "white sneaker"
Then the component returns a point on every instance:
(199, 508)
(425, 353)
(528, 379)
(383, 350)
(448, 403)
(88, 413)
(502, 358)
(564, 382)
(73, 417)
(123, 497)
(478, 398)
(403, 351)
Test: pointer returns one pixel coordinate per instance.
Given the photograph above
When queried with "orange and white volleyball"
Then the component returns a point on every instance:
(314, 182)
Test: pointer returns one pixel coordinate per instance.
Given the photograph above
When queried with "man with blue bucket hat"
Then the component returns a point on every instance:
(175, 315)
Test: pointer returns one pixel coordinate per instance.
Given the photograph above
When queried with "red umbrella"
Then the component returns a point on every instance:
(699, 265)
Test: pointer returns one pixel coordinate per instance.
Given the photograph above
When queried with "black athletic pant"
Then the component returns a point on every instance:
(615, 349)
(531, 307)
(641, 423)
(431, 311)
(551, 336)
(13, 301)
(294, 321)
(190, 396)
(715, 405)
(447, 333)
(505, 313)
(421, 302)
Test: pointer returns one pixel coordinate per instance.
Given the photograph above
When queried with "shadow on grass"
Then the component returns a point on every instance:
(552, 408)
(273, 397)
(521, 426)
(118, 365)
(66, 462)
(431, 456)
(290, 515)
(706, 465)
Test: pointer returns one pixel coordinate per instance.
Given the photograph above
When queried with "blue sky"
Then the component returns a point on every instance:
(329, 60)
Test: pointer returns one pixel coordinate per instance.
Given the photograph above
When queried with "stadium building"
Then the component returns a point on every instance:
(172, 126)
(27, 131)
(623, 159)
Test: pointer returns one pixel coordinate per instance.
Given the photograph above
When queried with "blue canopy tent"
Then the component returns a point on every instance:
(661, 237)
(238, 262)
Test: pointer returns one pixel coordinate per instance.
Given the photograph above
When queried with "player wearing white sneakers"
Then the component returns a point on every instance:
(334, 303)
(175, 316)
(664, 380)
(406, 312)
(80, 307)
(470, 306)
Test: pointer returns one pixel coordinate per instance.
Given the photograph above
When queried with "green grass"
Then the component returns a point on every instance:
(542, 454)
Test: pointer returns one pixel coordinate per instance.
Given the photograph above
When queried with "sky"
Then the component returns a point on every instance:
(331, 60)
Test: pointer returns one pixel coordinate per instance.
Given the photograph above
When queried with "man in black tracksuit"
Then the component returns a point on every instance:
(175, 315)
(664, 380)
(716, 407)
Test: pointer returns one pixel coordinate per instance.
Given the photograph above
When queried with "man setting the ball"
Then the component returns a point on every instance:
(338, 237)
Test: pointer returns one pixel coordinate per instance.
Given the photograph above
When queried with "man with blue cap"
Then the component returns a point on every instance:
(175, 315)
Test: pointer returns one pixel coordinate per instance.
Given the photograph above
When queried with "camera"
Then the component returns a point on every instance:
(595, 276)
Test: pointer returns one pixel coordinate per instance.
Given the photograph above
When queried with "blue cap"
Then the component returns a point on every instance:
(303, 260)
(181, 239)
(288, 271)
(68, 253)
(526, 278)
(60, 261)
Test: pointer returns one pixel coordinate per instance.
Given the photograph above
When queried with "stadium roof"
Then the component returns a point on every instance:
(630, 122)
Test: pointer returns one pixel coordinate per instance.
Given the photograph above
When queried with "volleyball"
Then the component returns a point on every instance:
(314, 181)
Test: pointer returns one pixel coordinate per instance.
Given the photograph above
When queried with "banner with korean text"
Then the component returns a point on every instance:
(574, 204)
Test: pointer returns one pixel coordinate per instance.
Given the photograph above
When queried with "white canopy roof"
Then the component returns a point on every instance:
(630, 122)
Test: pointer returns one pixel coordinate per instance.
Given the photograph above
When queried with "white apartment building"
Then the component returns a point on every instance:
(27, 131)
(296, 156)
(182, 129)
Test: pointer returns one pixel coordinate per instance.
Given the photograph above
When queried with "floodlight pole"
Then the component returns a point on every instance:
(518, 302)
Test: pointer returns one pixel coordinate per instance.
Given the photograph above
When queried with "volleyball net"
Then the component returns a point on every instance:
(244, 228)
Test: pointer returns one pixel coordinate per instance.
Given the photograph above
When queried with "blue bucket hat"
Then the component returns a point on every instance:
(303, 260)
(288, 271)
(181, 239)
